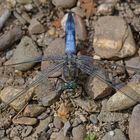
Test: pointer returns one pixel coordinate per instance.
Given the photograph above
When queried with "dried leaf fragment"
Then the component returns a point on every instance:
(89, 6)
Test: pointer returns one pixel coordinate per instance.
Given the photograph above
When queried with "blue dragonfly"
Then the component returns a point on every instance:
(70, 63)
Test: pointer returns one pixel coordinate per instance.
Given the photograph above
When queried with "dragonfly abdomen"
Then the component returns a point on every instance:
(70, 46)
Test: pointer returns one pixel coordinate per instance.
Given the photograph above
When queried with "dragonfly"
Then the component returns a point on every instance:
(70, 63)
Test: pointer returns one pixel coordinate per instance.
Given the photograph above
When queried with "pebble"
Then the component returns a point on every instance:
(112, 34)
(33, 110)
(43, 124)
(79, 132)
(36, 27)
(2, 133)
(82, 118)
(97, 89)
(23, 53)
(14, 132)
(49, 99)
(28, 7)
(57, 122)
(26, 131)
(25, 121)
(9, 93)
(87, 105)
(64, 3)
(66, 127)
(43, 116)
(5, 122)
(93, 118)
(76, 122)
(59, 136)
(125, 98)
(134, 124)
(118, 135)
(10, 37)
(105, 9)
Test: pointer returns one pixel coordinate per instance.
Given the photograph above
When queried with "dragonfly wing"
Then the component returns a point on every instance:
(39, 78)
(101, 74)
(91, 59)
(39, 59)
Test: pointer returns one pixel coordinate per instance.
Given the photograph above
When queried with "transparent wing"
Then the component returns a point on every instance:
(40, 59)
(90, 59)
(39, 78)
(101, 74)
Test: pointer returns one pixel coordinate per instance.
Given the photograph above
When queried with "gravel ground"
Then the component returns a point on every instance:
(107, 30)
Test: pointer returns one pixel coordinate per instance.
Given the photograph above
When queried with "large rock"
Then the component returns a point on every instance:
(124, 98)
(97, 88)
(9, 93)
(64, 3)
(134, 125)
(113, 38)
(25, 51)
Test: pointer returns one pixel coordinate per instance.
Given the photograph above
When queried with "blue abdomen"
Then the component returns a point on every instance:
(70, 46)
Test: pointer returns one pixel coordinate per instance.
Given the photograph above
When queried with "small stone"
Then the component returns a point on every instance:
(33, 110)
(28, 7)
(14, 132)
(82, 118)
(134, 124)
(64, 3)
(43, 116)
(93, 118)
(105, 9)
(76, 122)
(66, 127)
(57, 122)
(2, 133)
(25, 121)
(79, 132)
(59, 136)
(42, 126)
(36, 27)
(52, 31)
(9, 93)
(118, 135)
(5, 122)
(87, 105)
(49, 99)
(26, 131)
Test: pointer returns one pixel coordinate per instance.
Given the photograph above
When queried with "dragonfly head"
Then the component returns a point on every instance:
(69, 86)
